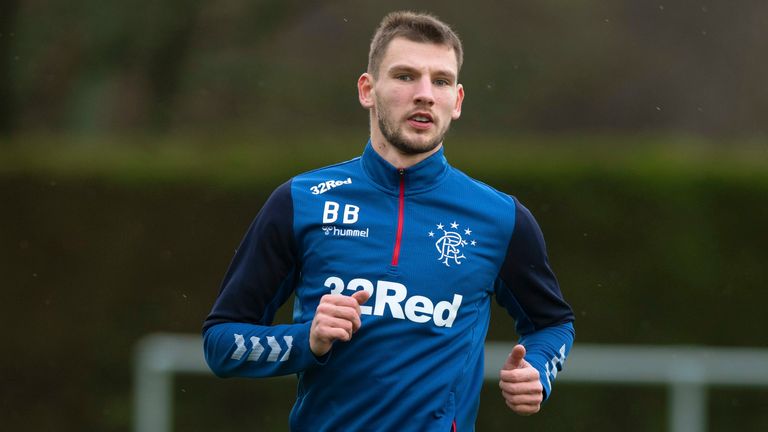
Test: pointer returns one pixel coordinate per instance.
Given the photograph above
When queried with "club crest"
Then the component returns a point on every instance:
(451, 244)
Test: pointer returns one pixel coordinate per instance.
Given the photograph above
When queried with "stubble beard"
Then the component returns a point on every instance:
(398, 141)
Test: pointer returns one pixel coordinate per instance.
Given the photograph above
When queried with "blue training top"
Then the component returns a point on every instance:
(432, 245)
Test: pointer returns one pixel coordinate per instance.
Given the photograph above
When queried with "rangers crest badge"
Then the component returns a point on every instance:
(450, 246)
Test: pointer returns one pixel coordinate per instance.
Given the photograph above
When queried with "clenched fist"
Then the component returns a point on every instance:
(337, 317)
(520, 385)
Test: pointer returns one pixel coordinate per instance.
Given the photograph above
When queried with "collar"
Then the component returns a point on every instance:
(421, 177)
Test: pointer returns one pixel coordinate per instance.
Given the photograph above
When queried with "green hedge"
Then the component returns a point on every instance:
(651, 244)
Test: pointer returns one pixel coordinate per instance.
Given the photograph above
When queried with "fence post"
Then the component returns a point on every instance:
(687, 407)
(152, 393)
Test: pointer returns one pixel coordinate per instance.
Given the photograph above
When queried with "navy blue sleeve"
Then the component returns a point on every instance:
(528, 289)
(238, 336)
(261, 275)
(527, 286)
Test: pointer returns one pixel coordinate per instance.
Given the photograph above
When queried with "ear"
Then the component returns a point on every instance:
(365, 90)
(459, 99)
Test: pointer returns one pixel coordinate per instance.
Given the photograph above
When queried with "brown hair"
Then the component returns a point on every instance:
(416, 27)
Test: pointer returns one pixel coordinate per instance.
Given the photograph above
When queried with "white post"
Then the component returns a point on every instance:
(687, 407)
(153, 395)
(158, 358)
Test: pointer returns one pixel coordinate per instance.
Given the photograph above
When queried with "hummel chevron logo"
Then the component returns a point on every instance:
(258, 349)
(557, 363)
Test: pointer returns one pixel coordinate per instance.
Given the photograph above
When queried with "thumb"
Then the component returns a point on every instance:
(516, 358)
(361, 296)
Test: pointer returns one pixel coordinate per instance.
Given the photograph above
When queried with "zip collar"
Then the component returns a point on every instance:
(421, 177)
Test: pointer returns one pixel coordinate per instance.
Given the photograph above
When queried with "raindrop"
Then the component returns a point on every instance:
(658, 108)
(661, 7)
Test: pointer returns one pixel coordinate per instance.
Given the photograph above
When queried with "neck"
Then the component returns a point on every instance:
(398, 159)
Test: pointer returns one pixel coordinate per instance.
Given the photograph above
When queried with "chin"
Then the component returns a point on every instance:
(417, 147)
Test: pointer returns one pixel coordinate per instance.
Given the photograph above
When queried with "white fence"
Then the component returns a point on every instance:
(687, 371)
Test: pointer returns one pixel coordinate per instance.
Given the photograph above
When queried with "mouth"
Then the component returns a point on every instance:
(421, 120)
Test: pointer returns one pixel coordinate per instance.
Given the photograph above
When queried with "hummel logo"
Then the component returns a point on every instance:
(274, 348)
(345, 232)
(328, 185)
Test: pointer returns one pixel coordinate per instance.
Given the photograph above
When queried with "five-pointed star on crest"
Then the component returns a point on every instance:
(473, 243)
(431, 234)
(439, 226)
(454, 224)
(467, 231)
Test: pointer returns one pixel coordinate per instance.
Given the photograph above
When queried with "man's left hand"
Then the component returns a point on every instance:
(520, 385)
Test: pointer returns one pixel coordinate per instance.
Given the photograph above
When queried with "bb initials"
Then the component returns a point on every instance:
(331, 213)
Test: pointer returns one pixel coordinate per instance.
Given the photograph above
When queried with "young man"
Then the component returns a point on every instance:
(393, 257)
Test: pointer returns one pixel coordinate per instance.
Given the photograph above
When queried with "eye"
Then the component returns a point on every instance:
(442, 82)
(404, 77)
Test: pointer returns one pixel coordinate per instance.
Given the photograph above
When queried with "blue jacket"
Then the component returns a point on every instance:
(432, 245)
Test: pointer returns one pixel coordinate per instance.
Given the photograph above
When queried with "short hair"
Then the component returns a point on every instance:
(416, 27)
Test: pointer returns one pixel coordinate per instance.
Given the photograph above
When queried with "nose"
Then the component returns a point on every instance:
(423, 94)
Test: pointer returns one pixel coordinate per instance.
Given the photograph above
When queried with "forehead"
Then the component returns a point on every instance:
(419, 55)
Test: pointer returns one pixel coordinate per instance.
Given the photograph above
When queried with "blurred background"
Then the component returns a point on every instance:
(139, 139)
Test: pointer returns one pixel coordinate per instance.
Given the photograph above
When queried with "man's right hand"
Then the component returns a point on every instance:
(337, 317)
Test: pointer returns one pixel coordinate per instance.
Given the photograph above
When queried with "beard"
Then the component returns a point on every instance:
(399, 141)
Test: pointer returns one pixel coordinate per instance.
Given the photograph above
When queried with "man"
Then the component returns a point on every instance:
(393, 258)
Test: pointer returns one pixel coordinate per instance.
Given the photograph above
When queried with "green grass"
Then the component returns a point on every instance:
(246, 159)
